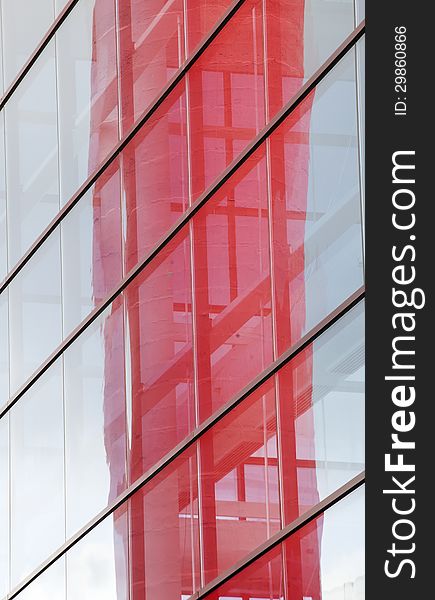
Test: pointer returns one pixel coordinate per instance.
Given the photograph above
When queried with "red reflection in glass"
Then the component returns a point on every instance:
(226, 95)
(239, 482)
(155, 177)
(151, 49)
(295, 399)
(323, 559)
(107, 250)
(201, 17)
(232, 290)
(290, 153)
(291, 570)
(164, 533)
(263, 580)
(285, 31)
(103, 105)
(161, 357)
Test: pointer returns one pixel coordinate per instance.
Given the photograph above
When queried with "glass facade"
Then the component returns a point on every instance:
(181, 306)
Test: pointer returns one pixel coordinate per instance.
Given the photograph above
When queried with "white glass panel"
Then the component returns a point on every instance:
(37, 475)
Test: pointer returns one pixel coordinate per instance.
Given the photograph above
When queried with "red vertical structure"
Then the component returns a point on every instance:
(225, 297)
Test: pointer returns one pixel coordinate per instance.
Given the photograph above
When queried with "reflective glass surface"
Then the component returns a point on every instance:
(323, 559)
(35, 312)
(4, 349)
(32, 177)
(4, 506)
(3, 223)
(321, 404)
(91, 249)
(160, 356)
(315, 199)
(37, 473)
(51, 584)
(87, 89)
(164, 533)
(97, 565)
(239, 482)
(95, 425)
(274, 250)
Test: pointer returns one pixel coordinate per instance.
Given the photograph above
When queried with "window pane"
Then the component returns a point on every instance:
(3, 224)
(164, 533)
(232, 289)
(97, 565)
(4, 505)
(32, 177)
(91, 249)
(322, 415)
(51, 584)
(239, 482)
(37, 473)
(202, 15)
(324, 559)
(360, 10)
(155, 171)
(35, 311)
(316, 228)
(4, 349)
(87, 90)
(151, 50)
(160, 361)
(95, 418)
(226, 96)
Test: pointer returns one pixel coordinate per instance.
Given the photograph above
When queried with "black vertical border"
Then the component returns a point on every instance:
(386, 134)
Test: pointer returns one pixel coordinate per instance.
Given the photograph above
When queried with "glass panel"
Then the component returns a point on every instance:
(164, 533)
(4, 505)
(232, 289)
(300, 36)
(35, 311)
(239, 482)
(32, 176)
(97, 565)
(202, 15)
(160, 357)
(91, 249)
(51, 584)
(360, 7)
(226, 96)
(95, 418)
(151, 50)
(156, 177)
(24, 25)
(322, 415)
(3, 225)
(37, 473)
(87, 90)
(4, 349)
(316, 219)
(361, 67)
(324, 559)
